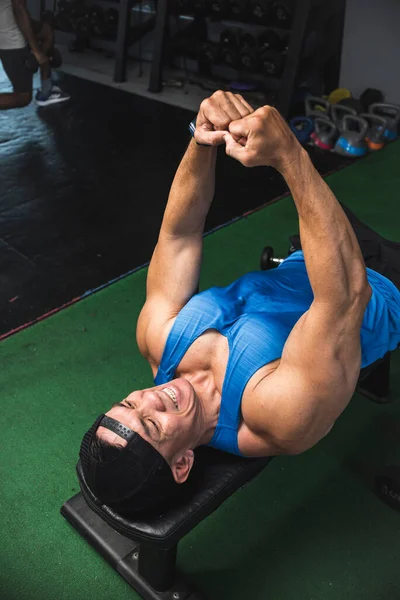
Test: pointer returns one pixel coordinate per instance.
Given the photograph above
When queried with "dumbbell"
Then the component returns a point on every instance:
(82, 25)
(62, 18)
(248, 55)
(208, 55)
(111, 23)
(271, 63)
(259, 11)
(268, 261)
(228, 45)
(282, 12)
(270, 40)
(77, 13)
(55, 58)
(218, 9)
(97, 21)
(238, 9)
(199, 8)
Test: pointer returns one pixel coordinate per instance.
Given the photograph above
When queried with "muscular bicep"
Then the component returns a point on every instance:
(316, 377)
(324, 346)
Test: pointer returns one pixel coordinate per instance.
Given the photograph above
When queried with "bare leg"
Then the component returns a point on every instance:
(45, 38)
(15, 100)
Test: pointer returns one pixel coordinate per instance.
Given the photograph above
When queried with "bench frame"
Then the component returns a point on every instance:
(148, 568)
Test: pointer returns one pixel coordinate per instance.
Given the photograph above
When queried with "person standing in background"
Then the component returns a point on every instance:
(21, 37)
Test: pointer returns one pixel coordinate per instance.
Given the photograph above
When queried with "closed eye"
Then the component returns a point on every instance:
(155, 426)
(153, 434)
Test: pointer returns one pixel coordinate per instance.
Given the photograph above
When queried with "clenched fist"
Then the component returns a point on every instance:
(264, 140)
(216, 114)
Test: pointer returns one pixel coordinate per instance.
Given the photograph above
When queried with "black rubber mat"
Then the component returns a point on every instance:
(84, 186)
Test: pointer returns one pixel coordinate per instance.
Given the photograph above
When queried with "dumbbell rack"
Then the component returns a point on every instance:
(119, 46)
(328, 59)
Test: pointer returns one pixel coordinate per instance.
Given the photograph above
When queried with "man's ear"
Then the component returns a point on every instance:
(181, 466)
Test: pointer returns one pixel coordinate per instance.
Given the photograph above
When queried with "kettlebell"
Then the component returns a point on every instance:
(55, 58)
(338, 112)
(317, 107)
(352, 137)
(302, 128)
(390, 112)
(248, 52)
(325, 133)
(375, 136)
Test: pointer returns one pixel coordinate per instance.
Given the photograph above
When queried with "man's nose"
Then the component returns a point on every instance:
(154, 401)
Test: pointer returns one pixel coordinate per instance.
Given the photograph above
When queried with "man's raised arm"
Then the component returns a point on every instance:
(175, 265)
(298, 403)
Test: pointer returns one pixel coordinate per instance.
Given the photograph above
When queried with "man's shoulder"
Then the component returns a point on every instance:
(152, 330)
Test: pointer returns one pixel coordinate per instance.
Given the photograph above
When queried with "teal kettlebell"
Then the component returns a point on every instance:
(352, 137)
(390, 112)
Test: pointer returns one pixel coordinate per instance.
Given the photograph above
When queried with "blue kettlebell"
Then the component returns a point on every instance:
(302, 128)
(352, 137)
(390, 112)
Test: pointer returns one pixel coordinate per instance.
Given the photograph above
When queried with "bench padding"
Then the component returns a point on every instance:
(215, 477)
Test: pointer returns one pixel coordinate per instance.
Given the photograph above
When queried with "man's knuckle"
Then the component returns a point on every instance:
(219, 94)
(258, 123)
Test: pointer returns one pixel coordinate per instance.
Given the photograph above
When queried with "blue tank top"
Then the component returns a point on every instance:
(256, 314)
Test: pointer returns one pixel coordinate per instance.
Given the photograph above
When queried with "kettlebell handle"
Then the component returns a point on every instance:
(391, 111)
(338, 111)
(353, 119)
(322, 124)
(312, 101)
(374, 120)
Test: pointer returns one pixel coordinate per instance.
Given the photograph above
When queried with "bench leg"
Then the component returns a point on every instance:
(375, 385)
(147, 568)
(157, 566)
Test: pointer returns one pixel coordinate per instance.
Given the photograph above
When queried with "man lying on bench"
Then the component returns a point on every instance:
(261, 367)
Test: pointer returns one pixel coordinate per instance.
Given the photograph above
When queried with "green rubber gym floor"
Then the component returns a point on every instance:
(309, 528)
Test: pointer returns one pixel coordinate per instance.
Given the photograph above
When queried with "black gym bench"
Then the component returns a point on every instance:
(143, 549)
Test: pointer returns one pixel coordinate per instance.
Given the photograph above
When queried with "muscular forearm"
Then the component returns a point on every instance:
(192, 192)
(332, 254)
(24, 23)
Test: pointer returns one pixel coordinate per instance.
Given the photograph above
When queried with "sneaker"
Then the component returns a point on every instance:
(56, 95)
